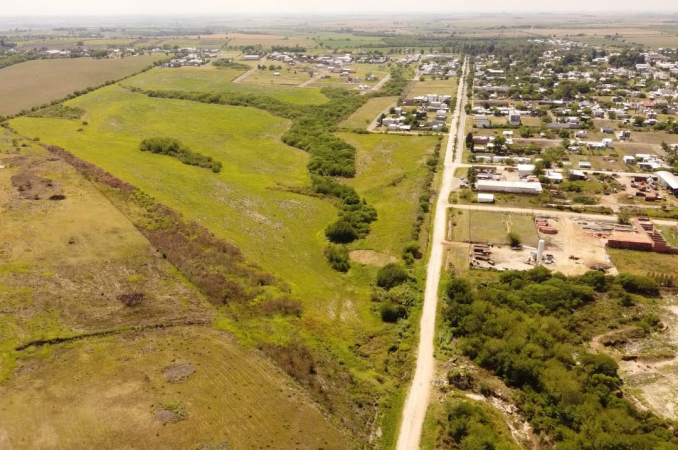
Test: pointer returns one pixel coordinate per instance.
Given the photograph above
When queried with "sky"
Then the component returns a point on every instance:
(226, 7)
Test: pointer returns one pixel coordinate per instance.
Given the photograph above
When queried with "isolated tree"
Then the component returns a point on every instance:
(514, 239)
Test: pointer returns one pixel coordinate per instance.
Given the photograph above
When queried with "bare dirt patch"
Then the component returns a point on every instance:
(178, 373)
(574, 251)
(371, 257)
(165, 416)
(648, 366)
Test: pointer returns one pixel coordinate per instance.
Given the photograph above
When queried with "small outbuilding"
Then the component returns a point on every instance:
(485, 198)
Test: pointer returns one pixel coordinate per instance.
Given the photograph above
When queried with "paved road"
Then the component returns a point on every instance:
(418, 396)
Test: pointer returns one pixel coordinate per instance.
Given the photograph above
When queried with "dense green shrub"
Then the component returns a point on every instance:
(471, 427)
(226, 64)
(638, 284)
(337, 256)
(412, 251)
(391, 275)
(173, 147)
(59, 112)
(341, 232)
(520, 327)
(391, 313)
(514, 239)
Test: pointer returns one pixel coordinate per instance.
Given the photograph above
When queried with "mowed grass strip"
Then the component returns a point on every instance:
(390, 176)
(364, 116)
(214, 80)
(34, 83)
(105, 392)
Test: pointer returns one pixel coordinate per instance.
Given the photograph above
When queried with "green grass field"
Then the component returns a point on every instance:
(493, 227)
(33, 83)
(246, 203)
(342, 40)
(640, 263)
(429, 86)
(250, 205)
(214, 80)
(364, 116)
(59, 281)
(104, 393)
(390, 176)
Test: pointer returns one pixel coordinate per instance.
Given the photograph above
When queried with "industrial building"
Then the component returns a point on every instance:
(668, 181)
(646, 238)
(512, 187)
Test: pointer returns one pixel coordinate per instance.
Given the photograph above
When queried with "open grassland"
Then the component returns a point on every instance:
(268, 40)
(65, 262)
(34, 83)
(215, 80)
(247, 203)
(366, 114)
(106, 393)
(284, 77)
(640, 263)
(493, 227)
(64, 43)
(202, 42)
(440, 87)
(390, 176)
(342, 40)
(63, 266)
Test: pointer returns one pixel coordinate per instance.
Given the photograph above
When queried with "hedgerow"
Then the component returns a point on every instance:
(174, 148)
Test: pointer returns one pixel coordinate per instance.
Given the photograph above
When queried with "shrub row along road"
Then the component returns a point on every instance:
(418, 396)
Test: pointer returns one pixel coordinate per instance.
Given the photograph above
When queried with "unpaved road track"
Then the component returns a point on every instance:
(418, 395)
(245, 75)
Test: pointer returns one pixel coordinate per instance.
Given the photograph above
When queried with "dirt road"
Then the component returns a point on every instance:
(245, 75)
(312, 79)
(553, 213)
(418, 396)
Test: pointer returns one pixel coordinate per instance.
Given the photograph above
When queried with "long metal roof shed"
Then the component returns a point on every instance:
(668, 179)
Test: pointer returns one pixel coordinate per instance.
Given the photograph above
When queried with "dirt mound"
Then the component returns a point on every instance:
(166, 416)
(178, 373)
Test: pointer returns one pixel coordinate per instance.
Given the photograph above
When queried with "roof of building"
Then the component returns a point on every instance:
(483, 196)
(525, 185)
(626, 236)
(670, 179)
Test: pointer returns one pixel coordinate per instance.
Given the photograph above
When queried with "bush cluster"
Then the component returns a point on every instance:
(174, 148)
(226, 64)
(521, 327)
(337, 256)
(59, 112)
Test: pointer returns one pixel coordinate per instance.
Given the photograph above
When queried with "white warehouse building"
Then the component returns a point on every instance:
(668, 181)
(513, 187)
